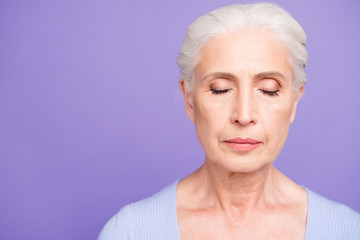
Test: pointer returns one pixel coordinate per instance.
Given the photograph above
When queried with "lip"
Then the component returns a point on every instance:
(243, 145)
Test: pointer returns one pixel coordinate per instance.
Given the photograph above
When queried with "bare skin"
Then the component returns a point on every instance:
(243, 89)
(266, 205)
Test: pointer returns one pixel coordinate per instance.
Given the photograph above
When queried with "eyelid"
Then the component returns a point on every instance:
(219, 91)
(269, 84)
(270, 93)
(272, 79)
(221, 84)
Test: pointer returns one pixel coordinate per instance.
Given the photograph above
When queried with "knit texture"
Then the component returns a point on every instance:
(330, 220)
(155, 218)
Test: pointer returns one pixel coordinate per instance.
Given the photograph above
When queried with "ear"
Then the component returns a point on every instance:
(298, 96)
(188, 99)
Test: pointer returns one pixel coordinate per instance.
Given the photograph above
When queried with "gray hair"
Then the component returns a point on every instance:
(236, 17)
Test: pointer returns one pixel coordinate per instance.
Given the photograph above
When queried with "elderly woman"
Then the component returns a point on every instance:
(242, 78)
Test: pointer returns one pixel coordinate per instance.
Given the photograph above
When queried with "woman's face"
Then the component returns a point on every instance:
(243, 100)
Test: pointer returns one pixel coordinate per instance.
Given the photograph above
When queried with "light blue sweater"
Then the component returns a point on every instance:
(155, 218)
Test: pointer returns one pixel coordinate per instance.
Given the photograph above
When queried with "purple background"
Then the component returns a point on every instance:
(91, 116)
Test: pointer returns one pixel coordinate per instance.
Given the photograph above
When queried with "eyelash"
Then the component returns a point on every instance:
(266, 92)
(214, 91)
(271, 93)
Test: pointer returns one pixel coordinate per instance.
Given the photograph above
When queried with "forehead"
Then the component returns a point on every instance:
(244, 52)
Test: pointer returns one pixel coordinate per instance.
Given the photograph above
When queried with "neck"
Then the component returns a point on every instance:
(239, 192)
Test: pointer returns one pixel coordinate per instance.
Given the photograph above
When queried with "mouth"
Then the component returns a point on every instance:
(243, 145)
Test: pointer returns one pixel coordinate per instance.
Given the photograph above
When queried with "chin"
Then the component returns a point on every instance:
(242, 164)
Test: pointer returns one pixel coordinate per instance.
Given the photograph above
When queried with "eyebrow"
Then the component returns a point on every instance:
(269, 74)
(257, 76)
(225, 75)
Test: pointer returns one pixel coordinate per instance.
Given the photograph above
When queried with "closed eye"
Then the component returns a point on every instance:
(271, 93)
(222, 91)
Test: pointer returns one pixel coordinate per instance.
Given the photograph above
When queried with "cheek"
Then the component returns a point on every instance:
(210, 120)
(211, 113)
(276, 121)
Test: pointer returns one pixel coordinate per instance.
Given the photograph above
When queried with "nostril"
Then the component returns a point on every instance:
(245, 122)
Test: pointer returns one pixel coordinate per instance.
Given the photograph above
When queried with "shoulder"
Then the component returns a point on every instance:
(150, 218)
(331, 219)
(117, 227)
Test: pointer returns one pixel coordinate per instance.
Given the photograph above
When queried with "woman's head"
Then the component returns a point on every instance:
(239, 17)
(242, 98)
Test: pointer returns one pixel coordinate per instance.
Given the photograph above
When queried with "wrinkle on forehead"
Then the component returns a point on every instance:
(255, 52)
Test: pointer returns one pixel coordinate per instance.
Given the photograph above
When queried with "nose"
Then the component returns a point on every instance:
(244, 108)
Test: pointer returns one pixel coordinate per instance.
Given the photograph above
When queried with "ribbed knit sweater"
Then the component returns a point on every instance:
(155, 218)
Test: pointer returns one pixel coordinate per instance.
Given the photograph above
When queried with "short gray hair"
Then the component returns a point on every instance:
(236, 17)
